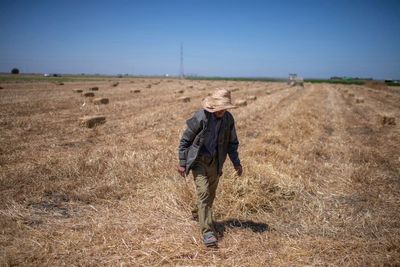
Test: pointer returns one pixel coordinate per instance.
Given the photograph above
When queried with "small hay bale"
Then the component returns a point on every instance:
(60, 83)
(94, 88)
(241, 103)
(115, 84)
(359, 100)
(102, 100)
(136, 91)
(388, 120)
(251, 97)
(77, 90)
(376, 85)
(88, 94)
(92, 121)
(179, 91)
(184, 99)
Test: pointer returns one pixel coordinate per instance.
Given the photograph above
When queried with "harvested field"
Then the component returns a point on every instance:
(321, 183)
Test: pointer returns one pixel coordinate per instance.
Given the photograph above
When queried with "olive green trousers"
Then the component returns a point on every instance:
(205, 174)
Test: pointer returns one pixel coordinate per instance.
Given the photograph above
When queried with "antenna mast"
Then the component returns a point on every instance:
(181, 72)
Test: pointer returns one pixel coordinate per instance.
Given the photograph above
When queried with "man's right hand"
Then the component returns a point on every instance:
(182, 171)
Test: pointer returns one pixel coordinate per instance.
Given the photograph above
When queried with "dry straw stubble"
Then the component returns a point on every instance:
(315, 169)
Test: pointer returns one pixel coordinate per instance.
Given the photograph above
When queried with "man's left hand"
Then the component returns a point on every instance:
(239, 170)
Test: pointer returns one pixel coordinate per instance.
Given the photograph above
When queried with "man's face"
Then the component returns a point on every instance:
(219, 114)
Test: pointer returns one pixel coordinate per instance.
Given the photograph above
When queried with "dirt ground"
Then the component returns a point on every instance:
(321, 183)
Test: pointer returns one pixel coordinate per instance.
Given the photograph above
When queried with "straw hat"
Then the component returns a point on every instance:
(219, 100)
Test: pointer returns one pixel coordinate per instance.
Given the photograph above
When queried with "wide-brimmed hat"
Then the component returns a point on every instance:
(219, 100)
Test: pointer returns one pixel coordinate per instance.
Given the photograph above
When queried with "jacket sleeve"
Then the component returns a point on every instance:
(192, 129)
(233, 145)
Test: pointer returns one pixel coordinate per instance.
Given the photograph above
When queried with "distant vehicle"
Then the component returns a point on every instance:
(294, 80)
(52, 75)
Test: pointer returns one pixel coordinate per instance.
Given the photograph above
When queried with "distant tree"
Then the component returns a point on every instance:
(15, 71)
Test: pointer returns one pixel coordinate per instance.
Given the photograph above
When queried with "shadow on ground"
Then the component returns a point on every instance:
(222, 226)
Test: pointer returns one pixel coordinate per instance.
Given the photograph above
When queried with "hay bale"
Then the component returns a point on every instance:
(388, 120)
(94, 88)
(102, 100)
(241, 103)
(184, 99)
(88, 94)
(77, 90)
(179, 91)
(376, 85)
(60, 83)
(251, 97)
(359, 100)
(268, 93)
(115, 84)
(135, 91)
(92, 121)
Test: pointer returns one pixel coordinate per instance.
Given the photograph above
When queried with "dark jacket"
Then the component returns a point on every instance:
(193, 139)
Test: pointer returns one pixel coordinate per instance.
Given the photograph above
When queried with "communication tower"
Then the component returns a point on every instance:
(181, 71)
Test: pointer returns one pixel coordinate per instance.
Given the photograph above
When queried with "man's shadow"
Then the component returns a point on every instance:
(222, 226)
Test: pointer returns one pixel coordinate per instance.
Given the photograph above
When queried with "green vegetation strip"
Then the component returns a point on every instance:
(245, 79)
(34, 78)
(358, 82)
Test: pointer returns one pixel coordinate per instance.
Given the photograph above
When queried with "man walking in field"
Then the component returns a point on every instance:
(209, 137)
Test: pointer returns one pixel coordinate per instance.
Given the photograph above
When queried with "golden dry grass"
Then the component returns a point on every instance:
(320, 185)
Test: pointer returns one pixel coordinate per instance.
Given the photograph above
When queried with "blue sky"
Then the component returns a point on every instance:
(220, 38)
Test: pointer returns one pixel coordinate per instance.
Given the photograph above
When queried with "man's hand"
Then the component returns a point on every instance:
(182, 171)
(239, 170)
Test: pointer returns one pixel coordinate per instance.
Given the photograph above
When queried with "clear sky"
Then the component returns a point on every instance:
(314, 38)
